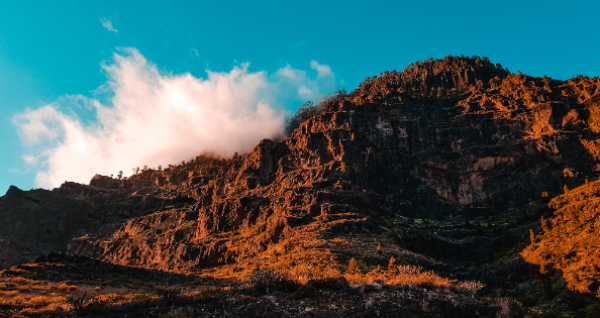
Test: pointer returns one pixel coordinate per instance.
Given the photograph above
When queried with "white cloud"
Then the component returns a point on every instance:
(303, 86)
(194, 52)
(30, 160)
(106, 23)
(322, 70)
(304, 92)
(158, 119)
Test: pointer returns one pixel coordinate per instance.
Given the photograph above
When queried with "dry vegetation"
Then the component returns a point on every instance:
(302, 267)
(449, 77)
(569, 241)
(28, 296)
(309, 259)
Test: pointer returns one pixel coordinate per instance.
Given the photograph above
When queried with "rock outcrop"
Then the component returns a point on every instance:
(446, 144)
(452, 139)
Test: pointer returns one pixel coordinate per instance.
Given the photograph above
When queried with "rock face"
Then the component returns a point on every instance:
(34, 223)
(456, 138)
(446, 145)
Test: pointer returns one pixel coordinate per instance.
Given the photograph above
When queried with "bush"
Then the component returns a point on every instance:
(39, 301)
(352, 267)
(265, 279)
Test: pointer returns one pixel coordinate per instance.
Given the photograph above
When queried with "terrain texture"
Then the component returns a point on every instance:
(447, 167)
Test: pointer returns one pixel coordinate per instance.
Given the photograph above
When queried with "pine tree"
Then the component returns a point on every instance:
(352, 267)
(393, 267)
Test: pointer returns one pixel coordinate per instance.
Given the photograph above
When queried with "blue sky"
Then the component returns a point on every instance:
(53, 49)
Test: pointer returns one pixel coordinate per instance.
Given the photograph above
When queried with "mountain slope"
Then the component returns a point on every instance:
(443, 165)
(444, 146)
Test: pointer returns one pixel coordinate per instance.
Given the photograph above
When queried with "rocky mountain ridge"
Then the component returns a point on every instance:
(445, 163)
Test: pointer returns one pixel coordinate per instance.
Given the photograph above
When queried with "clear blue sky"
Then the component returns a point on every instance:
(49, 49)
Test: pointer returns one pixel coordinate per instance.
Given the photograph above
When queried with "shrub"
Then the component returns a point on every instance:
(264, 279)
(78, 302)
(376, 271)
(18, 300)
(352, 267)
(469, 286)
(64, 287)
(392, 267)
(39, 301)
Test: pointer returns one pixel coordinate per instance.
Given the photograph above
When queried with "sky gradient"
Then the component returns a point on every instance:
(50, 50)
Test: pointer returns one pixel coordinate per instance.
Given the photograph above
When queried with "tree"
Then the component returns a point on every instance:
(379, 249)
(352, 267)
(393, 267)
(120, 175)
(377, 270)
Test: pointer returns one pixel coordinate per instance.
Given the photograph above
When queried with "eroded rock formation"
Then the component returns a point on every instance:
(456, 138)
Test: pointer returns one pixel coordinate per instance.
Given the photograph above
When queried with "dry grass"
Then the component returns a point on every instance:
(39, 301)
(64, 287)
(410, 276)
(340, 241)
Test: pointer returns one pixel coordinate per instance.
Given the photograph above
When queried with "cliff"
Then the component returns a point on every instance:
(444, 163)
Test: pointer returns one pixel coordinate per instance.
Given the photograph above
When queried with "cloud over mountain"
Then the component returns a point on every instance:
(151, 118)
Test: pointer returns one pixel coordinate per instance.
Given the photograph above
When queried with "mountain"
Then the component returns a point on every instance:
(447, 166)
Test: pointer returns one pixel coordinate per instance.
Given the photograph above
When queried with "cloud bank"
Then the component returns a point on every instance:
(155, 119)
(107, 24)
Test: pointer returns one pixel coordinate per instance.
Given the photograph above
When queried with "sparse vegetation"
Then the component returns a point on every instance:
(391, 190)
(568, 242)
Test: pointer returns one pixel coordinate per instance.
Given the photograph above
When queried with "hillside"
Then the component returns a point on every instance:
(447, 166)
